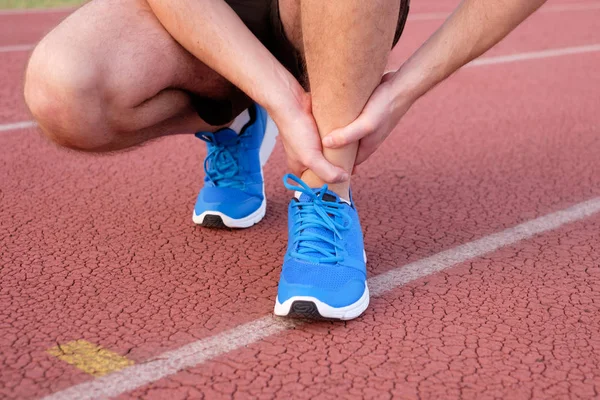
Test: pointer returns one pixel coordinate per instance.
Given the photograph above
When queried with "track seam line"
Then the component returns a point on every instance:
(430, 16)
(534, 55)
(34, 11)
(16, 48)
(13, 126)
(545, 8)
(433, 16)
(198, 352)
(504, 59)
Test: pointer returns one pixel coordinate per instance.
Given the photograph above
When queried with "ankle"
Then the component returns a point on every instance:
(341, 189)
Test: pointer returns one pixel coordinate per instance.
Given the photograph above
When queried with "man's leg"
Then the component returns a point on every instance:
(346, 45)
(110, 77)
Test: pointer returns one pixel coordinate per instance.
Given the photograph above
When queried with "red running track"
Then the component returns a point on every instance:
(102, 248)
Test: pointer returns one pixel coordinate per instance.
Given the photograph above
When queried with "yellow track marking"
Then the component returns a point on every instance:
(89, 358)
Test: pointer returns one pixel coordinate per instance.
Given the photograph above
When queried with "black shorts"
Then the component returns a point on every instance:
(263, 20)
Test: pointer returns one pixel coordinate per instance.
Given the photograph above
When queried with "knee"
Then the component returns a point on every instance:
(64, 93)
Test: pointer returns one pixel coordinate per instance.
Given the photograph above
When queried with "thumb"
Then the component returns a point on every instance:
(351, 133)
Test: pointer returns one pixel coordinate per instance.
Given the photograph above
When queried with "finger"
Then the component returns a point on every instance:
(328, 172)
(365, 149)
(295, 166)
(349, 134)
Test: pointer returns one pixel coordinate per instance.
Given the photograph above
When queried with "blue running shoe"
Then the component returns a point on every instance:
(233, 195)
(324, 270)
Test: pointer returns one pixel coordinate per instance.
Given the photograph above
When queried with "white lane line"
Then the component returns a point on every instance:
(412, 17)
(533, 55)
(17, 125)
(203, 350)
(400, 276)
(570, 7)
(16, 48)
(27, 11)
(433, 16)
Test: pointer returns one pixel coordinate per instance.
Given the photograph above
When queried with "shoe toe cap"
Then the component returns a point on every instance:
(337, 286)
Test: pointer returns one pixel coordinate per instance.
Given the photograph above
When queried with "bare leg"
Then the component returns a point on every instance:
(110, 77)
(346, 47)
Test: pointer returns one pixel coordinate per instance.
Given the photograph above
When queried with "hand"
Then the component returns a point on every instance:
(302, 142)
(379, 117)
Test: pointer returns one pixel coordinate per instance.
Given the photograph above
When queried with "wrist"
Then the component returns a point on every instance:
(412, 81)
(405, 92)
(288, 97)
(408, 86)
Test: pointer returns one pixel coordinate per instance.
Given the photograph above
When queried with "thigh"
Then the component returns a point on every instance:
(131, 57)
(286, 35)
(127, 45)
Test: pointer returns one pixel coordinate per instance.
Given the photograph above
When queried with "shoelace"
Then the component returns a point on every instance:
(320, 214)
(220, 165)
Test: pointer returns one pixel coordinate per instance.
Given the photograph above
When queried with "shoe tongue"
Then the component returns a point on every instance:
(224, 136)
(327, 196)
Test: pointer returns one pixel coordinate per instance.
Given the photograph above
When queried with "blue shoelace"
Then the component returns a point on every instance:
(316, 214)
(220, 165)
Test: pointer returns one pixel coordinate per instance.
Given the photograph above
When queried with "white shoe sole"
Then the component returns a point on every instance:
(310, 307)
(218, 219)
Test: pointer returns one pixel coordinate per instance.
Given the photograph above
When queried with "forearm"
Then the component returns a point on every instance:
(211, 31)
(473, 28)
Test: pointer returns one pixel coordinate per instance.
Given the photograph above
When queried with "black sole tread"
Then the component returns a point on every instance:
(306, 309)
(213, 221)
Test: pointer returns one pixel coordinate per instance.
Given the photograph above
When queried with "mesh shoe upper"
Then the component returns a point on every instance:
(325, 257)
(233, 181)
